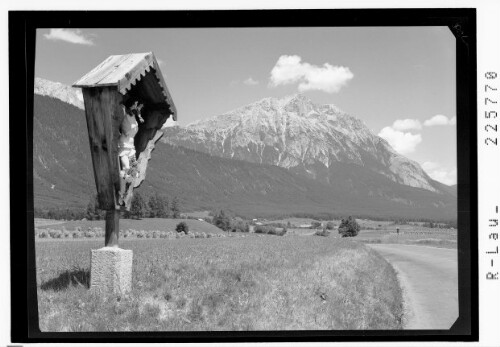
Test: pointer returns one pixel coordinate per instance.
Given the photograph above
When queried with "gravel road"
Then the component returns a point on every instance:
(429, 278)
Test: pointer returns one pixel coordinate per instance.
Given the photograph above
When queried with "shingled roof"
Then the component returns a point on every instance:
(129, 70)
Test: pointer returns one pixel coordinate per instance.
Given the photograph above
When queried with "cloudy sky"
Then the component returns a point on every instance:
(399, 81)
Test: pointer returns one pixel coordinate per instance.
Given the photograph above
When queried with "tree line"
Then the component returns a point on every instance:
(156, 206)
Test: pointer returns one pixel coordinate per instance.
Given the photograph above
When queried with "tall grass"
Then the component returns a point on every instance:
(250, 283)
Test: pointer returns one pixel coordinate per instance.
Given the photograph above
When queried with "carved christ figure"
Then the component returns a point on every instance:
(126, 147)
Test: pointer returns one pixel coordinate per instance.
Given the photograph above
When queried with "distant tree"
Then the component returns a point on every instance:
(158, 206)
(330, 226)
(240, 226)
(162, 211)
(222, 221)
(182, 227)
(138, 207)
(92, 212)
(349, 227)
(175, 208)
(288, 224)
(152, 206)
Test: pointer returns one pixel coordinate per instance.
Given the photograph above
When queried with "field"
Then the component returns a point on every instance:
(234, 283)
(384, 232)
(147, 224)
(412, 235)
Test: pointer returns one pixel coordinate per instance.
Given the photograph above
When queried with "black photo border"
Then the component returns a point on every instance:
(22, 43)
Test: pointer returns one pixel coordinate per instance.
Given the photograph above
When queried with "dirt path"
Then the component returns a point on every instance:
(429, 279)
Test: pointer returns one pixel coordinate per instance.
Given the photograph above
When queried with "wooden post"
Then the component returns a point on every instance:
(112, 228)
(104, 115)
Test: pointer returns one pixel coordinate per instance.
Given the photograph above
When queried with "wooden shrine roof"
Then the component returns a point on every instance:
(125, 71)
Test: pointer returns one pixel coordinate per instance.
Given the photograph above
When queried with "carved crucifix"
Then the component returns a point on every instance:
(126, 104)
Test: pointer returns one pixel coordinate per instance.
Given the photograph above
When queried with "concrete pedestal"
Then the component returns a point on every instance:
(111, 270)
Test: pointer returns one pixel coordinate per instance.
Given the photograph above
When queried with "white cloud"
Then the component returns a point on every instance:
(439, 119)
(407, 124)
(403, 143)
(169, 123)
(69, 35)
(328, 78)
(250, 82)
(436, 172)
(429, 166)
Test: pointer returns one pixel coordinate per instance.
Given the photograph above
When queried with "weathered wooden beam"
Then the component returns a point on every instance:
(112, 228)
(104, 115)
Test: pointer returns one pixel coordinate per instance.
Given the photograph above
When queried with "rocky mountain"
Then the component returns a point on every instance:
(63, 177)
(63, 92)
(296, 134)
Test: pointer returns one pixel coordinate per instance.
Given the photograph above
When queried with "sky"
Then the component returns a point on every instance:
(399, 80)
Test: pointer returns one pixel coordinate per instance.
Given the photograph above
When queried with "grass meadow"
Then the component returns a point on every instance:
(411, 235)
(258, 282)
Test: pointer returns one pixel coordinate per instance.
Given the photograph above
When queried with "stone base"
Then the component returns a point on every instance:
(111, 270)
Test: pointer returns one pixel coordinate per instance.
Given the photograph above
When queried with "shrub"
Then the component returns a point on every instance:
(349, 227)
(99, 232)
(271, 230)
(222, 221)
(182, 227)
(323, 232)
(260, 229)
(240, 226)
(43, 234)
(330, 226)
(275, 231)
(265, 229)
(315, 225)
(55, 234)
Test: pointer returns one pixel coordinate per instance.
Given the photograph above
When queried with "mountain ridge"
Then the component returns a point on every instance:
(63, 177)
(295, 133)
